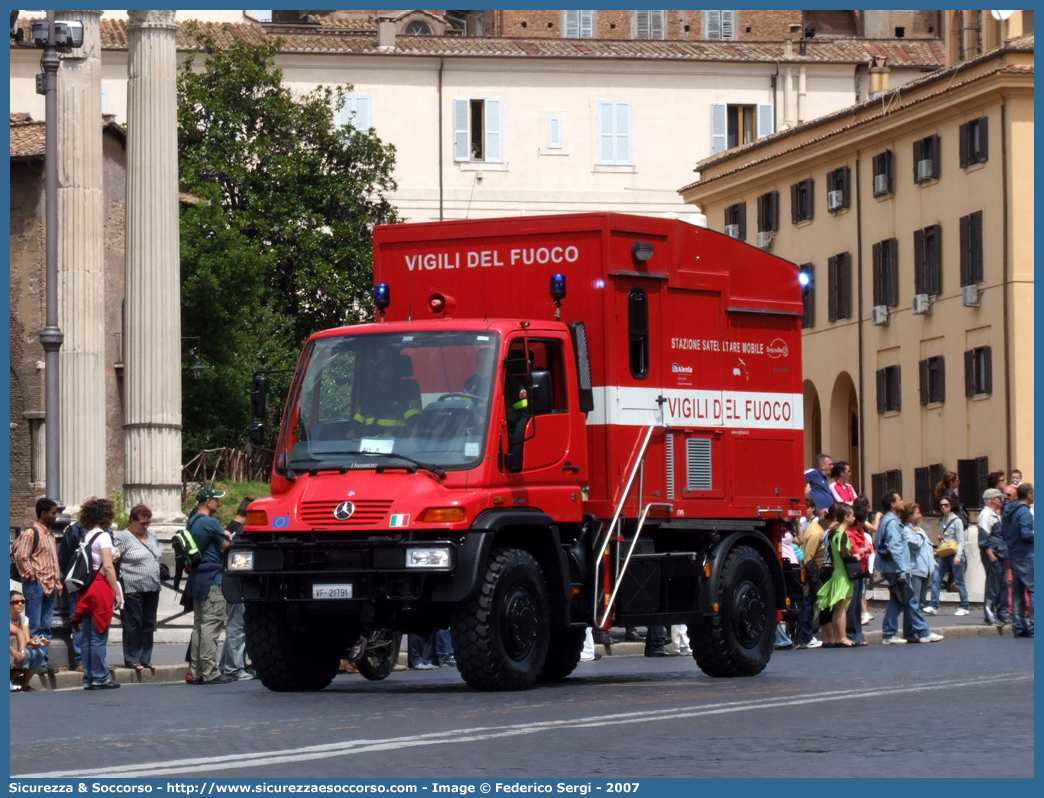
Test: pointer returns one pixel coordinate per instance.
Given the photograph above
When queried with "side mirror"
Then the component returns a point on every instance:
(540, 399)
(257, 434)
(258, 396)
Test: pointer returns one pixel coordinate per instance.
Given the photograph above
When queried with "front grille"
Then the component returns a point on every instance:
(367, 513)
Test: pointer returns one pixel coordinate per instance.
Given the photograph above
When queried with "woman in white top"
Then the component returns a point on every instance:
(950, 528)
(96, 604)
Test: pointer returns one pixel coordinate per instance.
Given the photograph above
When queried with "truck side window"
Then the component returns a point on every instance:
(638, 328)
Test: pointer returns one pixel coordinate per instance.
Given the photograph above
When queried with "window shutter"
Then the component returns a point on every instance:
(656, 24)
(977, 271)
(773, 202)
(878, 274)
(741, 220)
(887, 163)
(719, 128)
(897, 389)
(964, 145)
(919, 263)
(494, 136)
(623, 133)
(892, 273)
(923, 488)
(713, 24)
(934, 152)
(934, 264)
(969, 373)
(922, 368)
(641, 24)
(605, 132)
(846, 285)
(586, 24)
(794, 216)
(987, 367)
(877, 490)
(572, 24)
(461, 150)
(728, 25)
(984, 139)
(965, 222)
(843, 182)
(766, 120)
(882, 388)
(832, 288)
(554, 133)
(940, 394)
(831, 180)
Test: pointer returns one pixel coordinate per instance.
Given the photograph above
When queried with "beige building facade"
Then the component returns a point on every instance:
(499, 126)
(911, 219)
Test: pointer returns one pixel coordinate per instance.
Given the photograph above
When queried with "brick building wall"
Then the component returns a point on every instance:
(619, 24)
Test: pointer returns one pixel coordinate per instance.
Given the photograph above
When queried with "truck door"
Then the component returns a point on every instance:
(639, 377)
(548, 434)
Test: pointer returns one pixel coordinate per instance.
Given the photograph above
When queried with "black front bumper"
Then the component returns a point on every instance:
(286, 569)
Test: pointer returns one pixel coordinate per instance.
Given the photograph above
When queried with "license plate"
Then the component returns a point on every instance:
(332, 591)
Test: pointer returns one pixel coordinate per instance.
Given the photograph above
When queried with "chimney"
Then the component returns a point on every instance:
(879, 77)
(385, 35)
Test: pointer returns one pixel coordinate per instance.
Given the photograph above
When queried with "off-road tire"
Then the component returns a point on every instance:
(563, 654)
(287, 661)
(379, 661)
(738, 640)
(500, 635)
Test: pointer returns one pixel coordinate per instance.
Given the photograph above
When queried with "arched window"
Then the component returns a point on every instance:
(417, 28)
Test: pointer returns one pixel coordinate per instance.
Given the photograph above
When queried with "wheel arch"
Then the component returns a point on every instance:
(763, 546)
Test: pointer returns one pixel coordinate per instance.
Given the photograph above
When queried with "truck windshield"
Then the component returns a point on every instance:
(382, 400)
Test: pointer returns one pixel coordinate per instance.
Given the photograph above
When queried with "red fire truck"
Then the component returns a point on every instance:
(556, 422)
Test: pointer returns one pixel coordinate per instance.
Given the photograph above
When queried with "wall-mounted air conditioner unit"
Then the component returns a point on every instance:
(881, 184)
(835, 200)
(765, 239)
(880, 314)
(922, 304)
(972, 296)
(732, 230)
(925, 169)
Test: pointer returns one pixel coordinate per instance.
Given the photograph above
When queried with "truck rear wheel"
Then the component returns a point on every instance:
(563, 654)
(737, 640)
(287, 661)
(500, 636)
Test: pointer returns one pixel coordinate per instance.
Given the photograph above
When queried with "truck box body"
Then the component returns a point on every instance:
(556, 422)
(702, 337)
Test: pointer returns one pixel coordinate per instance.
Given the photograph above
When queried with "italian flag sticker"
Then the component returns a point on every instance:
(402, 519)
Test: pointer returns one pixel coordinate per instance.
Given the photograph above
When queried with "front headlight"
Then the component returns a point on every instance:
(241, 561)
(438, 557)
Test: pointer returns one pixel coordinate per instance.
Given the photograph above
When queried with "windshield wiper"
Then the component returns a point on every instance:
(339, 469)
(434, 469)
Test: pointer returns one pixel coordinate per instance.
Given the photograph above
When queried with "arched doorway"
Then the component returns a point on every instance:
(844, 438)
(813, 423)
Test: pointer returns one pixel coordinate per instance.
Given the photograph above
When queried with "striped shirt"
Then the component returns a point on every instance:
(139, 562)
(42, 565)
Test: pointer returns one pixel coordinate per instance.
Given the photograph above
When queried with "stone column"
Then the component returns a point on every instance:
(81, 267)
(152, 320)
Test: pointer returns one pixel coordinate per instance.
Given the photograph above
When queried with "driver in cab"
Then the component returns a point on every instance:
(390, 400)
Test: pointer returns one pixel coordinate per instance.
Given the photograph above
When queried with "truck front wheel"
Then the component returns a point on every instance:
(563, 654)
(285, 660)
(737, 640)
(500, 636)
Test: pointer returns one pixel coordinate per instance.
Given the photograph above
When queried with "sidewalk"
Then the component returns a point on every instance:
(169, 654)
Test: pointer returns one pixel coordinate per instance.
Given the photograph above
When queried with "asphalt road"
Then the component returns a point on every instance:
(878, 711)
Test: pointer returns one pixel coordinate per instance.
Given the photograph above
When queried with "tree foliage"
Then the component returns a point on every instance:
(280, 244)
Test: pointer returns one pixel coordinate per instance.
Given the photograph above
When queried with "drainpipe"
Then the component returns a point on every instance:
(801, 95)
(773, 83)
(442, 63)
(859, 316)
(1005, 282)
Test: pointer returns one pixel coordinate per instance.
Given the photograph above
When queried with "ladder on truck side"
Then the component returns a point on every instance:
(615, 528)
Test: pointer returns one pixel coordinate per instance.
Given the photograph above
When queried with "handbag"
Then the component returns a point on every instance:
(854, 569)
(812, 572)
(947, 548)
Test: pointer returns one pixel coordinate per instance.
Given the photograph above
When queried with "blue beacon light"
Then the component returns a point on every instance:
(558, 292)
(382, 297)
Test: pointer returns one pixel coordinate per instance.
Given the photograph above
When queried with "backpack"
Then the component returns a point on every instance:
(186, 554)
(15, 573)
(67, 546)
(81, 570)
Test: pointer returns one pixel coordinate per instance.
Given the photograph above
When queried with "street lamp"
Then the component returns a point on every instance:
(198, 368)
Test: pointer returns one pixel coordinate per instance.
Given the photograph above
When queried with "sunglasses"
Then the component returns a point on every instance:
(943, 504)
(18, 601)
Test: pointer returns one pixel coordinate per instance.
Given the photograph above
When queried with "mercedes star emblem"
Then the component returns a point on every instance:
(343, 511)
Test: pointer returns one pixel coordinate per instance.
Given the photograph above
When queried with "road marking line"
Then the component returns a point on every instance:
(457, 736)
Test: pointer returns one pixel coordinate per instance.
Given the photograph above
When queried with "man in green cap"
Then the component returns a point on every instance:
(204, 586)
